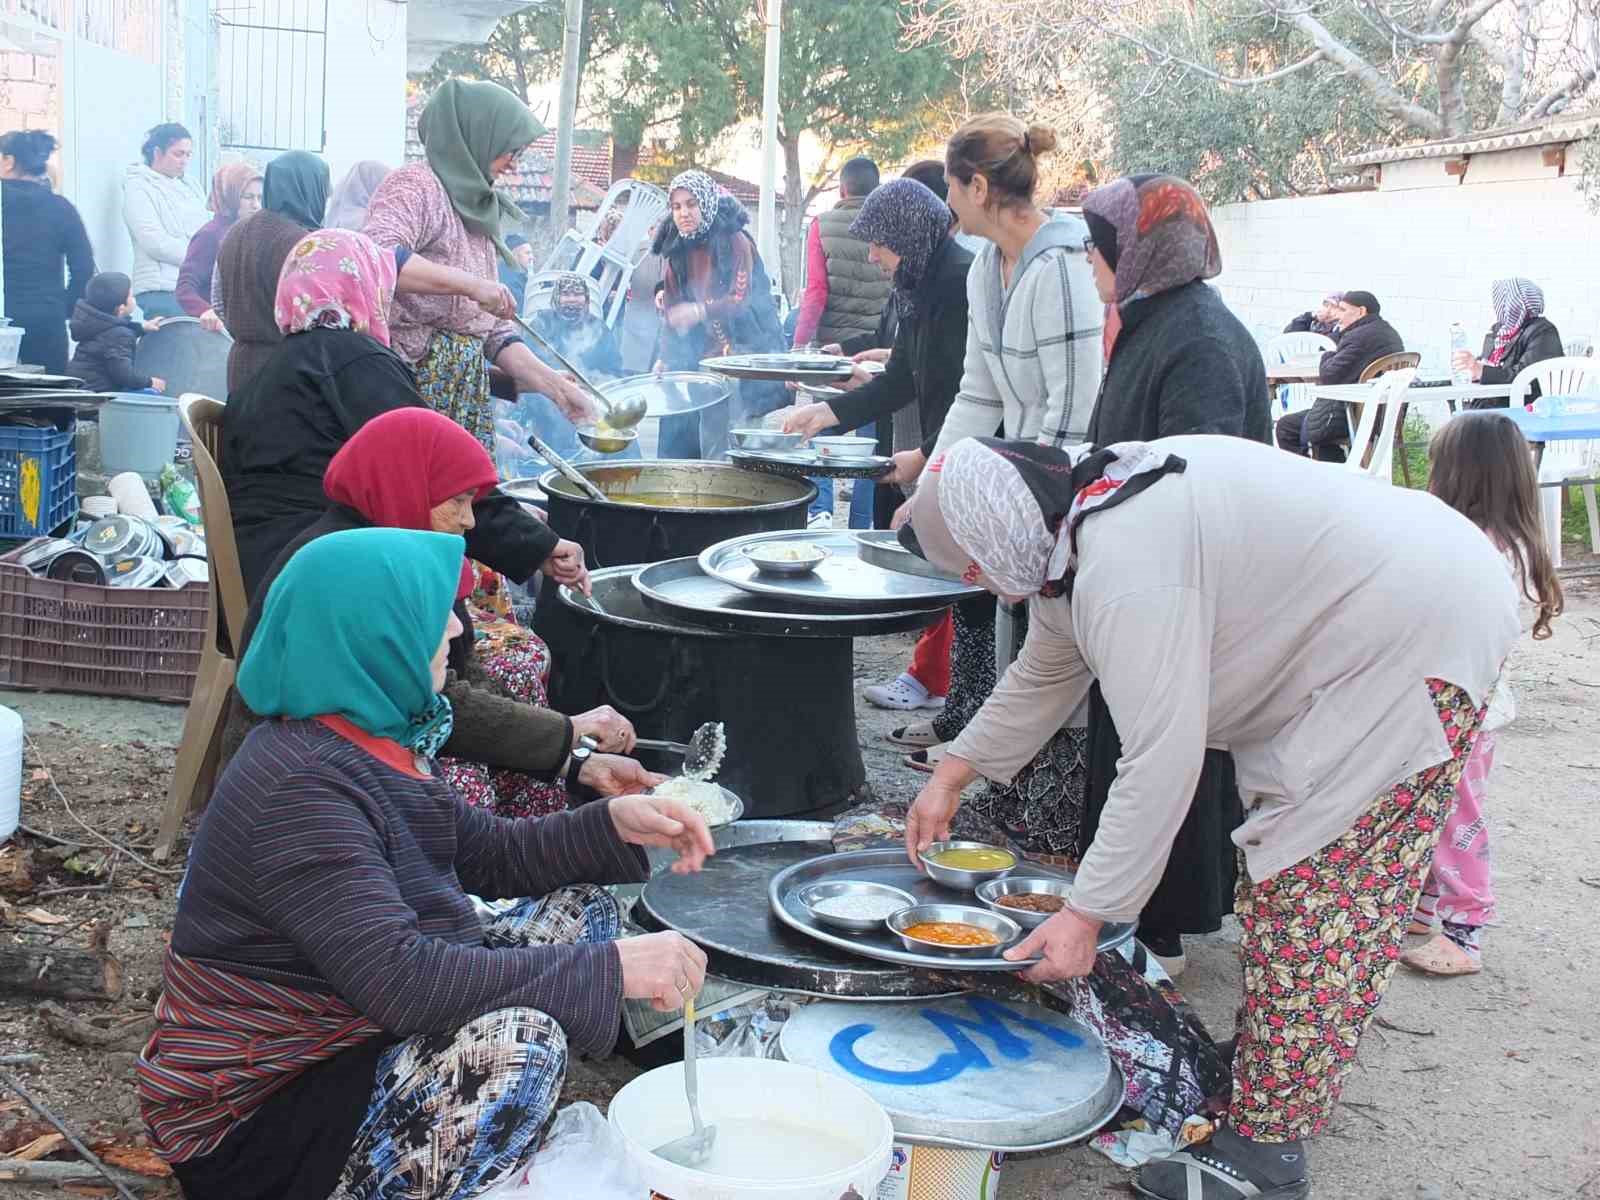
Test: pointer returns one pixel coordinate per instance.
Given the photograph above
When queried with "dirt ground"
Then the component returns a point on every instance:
(1478, 1087)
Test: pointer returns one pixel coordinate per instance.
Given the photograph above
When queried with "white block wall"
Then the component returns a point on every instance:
(1428, 252)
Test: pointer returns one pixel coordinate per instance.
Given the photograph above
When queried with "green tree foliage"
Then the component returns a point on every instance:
(1242, 141)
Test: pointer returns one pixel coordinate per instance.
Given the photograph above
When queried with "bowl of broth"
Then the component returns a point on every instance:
(953, 930)
(964, 865)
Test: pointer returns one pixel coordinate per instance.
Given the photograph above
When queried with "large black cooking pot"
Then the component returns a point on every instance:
(636, 533)
(613, 534)
(793, 749)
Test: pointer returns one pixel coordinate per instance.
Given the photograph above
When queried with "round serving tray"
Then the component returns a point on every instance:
(808, 464)
(842, 580)
(786, 368)
(677, 588)
(882, 548)
(891, 866)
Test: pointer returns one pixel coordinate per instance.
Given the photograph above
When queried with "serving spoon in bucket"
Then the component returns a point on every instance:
(691, 1149)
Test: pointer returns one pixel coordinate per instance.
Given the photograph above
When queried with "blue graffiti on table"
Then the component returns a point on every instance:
(964, 1053)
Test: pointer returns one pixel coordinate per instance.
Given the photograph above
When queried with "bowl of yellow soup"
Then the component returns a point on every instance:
(964, 865)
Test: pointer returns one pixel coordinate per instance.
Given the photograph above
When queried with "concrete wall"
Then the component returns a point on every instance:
(1427, 246)
(366, 84)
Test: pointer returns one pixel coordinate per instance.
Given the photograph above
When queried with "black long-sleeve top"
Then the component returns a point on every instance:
(280, 430)
(42, 231)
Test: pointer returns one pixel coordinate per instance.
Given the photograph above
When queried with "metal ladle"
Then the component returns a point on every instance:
(618, 416)
(569, 472)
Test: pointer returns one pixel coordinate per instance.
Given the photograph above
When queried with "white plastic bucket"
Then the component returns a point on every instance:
(10, 772)
(918, 1172)
(138, 433)
(651, 1111)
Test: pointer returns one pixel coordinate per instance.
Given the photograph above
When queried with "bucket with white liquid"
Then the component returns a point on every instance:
(784, 1132)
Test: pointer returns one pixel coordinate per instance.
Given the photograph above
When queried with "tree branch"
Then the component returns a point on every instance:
(1384, 94)
(1167, 58)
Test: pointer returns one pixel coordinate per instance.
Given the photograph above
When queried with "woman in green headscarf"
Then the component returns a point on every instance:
(447, 209)
(335, 1015)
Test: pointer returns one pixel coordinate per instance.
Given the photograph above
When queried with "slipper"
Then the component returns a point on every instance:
(1418, 928)
(1440, 956)
(925, 760)
(1205, 1175)
(915, 737)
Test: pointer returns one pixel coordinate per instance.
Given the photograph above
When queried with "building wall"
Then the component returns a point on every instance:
(30, 91)
(1427, 246)
(366, 84)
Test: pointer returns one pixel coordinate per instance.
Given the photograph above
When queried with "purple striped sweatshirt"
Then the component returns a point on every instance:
(321, 870)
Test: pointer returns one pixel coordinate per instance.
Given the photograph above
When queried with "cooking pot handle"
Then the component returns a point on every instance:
(668, 677)
(660, 545)
(583, 534)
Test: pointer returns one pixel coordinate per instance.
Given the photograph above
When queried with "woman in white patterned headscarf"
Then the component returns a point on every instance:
(715, 300)
(1521, 337)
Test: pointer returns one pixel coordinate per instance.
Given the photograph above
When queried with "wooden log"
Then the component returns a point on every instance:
(64, 972)
(56, 1174)
(131, 1034)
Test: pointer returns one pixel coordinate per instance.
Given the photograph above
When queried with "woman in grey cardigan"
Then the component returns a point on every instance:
(1032, 359)
(1350, 709)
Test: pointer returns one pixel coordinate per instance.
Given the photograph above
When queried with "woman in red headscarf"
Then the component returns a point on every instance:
(508, 751)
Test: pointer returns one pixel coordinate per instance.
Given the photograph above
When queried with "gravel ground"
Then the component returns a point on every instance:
(1479, 1087)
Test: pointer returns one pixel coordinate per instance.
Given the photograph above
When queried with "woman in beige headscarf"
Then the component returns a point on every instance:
(1349, 707)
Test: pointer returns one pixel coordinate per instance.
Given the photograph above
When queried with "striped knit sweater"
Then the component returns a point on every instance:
(326, 903)
(1033, 348)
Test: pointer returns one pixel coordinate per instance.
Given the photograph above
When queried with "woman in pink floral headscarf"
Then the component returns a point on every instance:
(338, 279)
(334, 372)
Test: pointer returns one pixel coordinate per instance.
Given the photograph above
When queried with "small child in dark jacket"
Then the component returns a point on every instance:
(106, 337)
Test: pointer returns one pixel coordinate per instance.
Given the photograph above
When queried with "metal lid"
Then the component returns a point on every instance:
(843, 580)
(670, 393)
(121, 536)
(966, 1070)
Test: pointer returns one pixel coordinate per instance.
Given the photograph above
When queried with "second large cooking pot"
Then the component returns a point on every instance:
(670, 509)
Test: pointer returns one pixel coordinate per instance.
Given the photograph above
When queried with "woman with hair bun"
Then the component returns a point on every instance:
(42, 230)
(1032, 361)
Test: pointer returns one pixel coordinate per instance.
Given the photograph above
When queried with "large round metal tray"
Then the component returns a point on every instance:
(678, 589)
(808, 464)
(796, 367)
(842, 580)
(882, 548)
(891, 866)
(722, 909)
(1057, 1085)
(671, 393)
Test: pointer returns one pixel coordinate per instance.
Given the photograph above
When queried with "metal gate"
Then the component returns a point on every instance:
(272, 63)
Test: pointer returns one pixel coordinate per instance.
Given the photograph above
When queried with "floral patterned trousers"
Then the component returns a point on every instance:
(1322, 939)
(452, 1115)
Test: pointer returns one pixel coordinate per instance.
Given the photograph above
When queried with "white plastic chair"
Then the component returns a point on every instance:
(1288, 346)
(615, 257)
(1578, 346)
(1296, 397)
(1389, 392)
(1564, 463)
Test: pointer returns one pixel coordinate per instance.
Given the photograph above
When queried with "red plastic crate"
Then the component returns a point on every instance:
(143, 643)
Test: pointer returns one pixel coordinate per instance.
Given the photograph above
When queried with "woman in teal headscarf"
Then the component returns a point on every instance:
(334, 1013)
(448, 210)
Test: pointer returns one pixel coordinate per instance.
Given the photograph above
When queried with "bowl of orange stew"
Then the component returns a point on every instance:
(953, 930)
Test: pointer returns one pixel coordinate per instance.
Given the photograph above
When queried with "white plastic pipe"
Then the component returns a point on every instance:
(767, 212)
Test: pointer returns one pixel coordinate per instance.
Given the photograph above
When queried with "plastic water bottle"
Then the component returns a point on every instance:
(10, 772)
(1458, 342)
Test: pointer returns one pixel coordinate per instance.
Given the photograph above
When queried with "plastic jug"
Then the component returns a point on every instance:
(1458, 342)
(10, 772)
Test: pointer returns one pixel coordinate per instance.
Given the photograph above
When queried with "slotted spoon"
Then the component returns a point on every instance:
(691, 1149)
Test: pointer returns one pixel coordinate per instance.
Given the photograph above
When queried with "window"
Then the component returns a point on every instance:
(272, 62)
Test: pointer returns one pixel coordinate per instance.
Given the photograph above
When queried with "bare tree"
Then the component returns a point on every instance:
(1417, 61)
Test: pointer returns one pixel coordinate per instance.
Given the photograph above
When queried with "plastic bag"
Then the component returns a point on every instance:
(582, 1156)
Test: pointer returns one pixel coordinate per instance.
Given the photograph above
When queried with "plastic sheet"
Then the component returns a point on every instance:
(582, 1156)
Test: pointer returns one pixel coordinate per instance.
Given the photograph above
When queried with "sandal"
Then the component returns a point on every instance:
(915, 737)
(1200, 1173)
(925, 760)
(1419, 928)
(1440, 956)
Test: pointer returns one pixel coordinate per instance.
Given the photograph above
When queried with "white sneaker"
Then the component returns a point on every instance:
(820, 521)
(902, 693)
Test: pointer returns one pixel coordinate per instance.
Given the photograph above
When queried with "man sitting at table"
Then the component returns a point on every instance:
(1365, 337)
(1323, 319)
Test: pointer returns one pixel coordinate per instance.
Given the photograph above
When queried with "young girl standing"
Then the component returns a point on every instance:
(1483, 470)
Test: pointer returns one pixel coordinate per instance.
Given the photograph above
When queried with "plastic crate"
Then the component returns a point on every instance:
(38, 477)
(143, 643)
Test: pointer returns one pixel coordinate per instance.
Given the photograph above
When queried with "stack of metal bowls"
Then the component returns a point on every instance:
(123, 551)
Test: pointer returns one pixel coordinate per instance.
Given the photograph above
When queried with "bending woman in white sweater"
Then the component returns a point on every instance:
(1033, 355)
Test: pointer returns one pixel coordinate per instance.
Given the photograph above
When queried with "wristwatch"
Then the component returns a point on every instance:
(585, 746)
